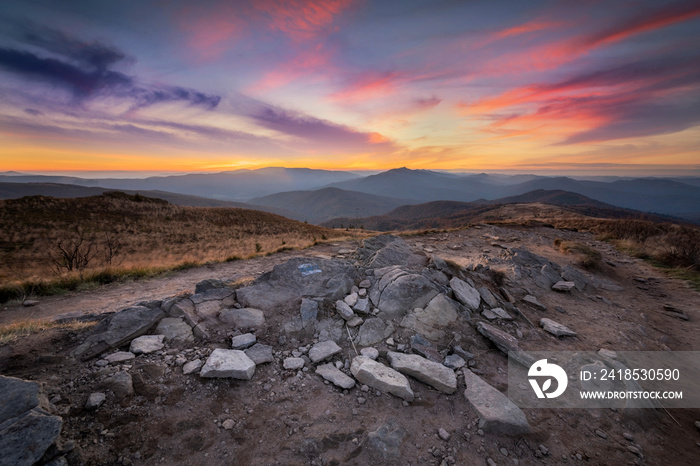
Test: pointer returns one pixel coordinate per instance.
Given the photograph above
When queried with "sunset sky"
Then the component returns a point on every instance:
(586, 86)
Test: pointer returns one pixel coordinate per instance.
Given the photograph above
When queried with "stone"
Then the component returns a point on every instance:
(209, 284)
(563, 286)
(373, 331)
(323, 350)
(120, 383)
(228, 424)
(504, 342)
(420, 345)
(404, 293)
(351, 299)
(223, 363)
(118, 329)
(147, 344)
(380, 377)
(462, 353)
(95, 400)
(370, 352)
(393, 252)
(24, 440)
(443, 434)
(213, 294)
(243, 318)
(344, 310)
(547, 277)
(119, 357)
(488, 297)
(497, 414)
(335, 376)
(465, 294)
(18, 396)
(365, 284)
(506, 295)
(571, 274)
(355, 321)
(192, 367)
(556, 328)
(387, 440)
(174, 329)
(30, 302)
(453, 361)
(432, 321)
(362, 306)
(260, 354)
(496, 313)
(362, 292)
(244, 341)
(308, 311)
(432, 373)
(293, 364)
(186, 309)
(534, 302)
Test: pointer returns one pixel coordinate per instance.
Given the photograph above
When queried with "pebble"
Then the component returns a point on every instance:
(628, 436)
(361, 400)
(601, 434)
(503, 451)
(544, 450)
(444, 434)
(634, 450)
(228, 424)
(491, 462)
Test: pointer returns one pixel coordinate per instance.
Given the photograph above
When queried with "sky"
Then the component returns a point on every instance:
(589, 87)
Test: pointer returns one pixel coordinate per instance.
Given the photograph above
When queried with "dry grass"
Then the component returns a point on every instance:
(152, 235)
(17, 330)
(589, 258)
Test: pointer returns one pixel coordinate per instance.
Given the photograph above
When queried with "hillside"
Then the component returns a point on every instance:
(326, 203)
(144, 232)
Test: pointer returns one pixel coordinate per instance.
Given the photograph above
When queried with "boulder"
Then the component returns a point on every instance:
(323, 350)
(244, 341)
(373, 331)
(335, 376)
(308, 312)
(404, 293)
(556, 328)
(243, 318)
(380, 377)
(382, 251)
(260, 354)
(118, 329)
(571, 274)
(432, 373)
(432, 321)
(465, 293)
(497, 414)
(209, 284)
(18, 396)
(223, 363)
(147, 344)
(174, 329)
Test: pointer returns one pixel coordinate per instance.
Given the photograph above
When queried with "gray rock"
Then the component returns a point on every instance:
(462, 353)
(174, 329)
(186, 309)
(404, 293)
(432, 373)
(534, 302)
(432, 321)
(344, 310)
(213, 294)
(370, 352)
(223, 363)
(571, 274)
(362, 306)
(380, 377)
(323, 350)
(308, 311)
(30, 302)
(351, 299)
(488, 297)
(209, 284)
(243, 318)
(453, 361)
(118, 329)
(244, 341)
(420, 345)
(365, 283)
(18, 396)
(387, 440)
(496, 313)
(95, 400)
(355, 321)
(293, 364)
(383, 251)
(496, 412)
(373, 331)
(191, 367)
(147, 344)
(465, 293)
(119, 357)
(24, 440)
(504, 342)
(556, 328)
(335, 376)
(506, 295)
(547, 277)
(260, 354)
(120, 383)
(563, 286)
(443, 434)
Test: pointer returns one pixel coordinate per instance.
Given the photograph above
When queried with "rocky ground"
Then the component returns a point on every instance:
(385, 352)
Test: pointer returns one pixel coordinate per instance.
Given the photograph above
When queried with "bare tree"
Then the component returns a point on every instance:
(75, 254)
(112, 245)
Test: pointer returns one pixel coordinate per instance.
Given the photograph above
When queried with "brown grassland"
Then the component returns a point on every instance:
(48, 244)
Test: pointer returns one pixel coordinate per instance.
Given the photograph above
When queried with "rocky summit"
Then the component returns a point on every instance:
(394, 351)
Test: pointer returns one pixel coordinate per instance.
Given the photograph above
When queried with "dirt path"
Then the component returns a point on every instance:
(117, 296)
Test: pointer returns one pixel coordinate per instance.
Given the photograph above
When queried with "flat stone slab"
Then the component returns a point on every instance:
(563, 286)
(497, 413)
(335, 376)
(119, 357)
(24, 441)
(380, 377)
(243, 318)
(531, 300)
(147, 344)
(260, 354)
(496, 313)
(555, 328)
(174, 329)
(504, 342)
(191, 367)
(465, 293)
(373, 331)
(223, 363)
(323, 350)
(18, 397)
(293, 364)
(432, 373)
(243, 341)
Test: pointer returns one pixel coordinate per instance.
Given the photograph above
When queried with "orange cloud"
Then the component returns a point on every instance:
(301, 19)
(303, 64)
(368, 86)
